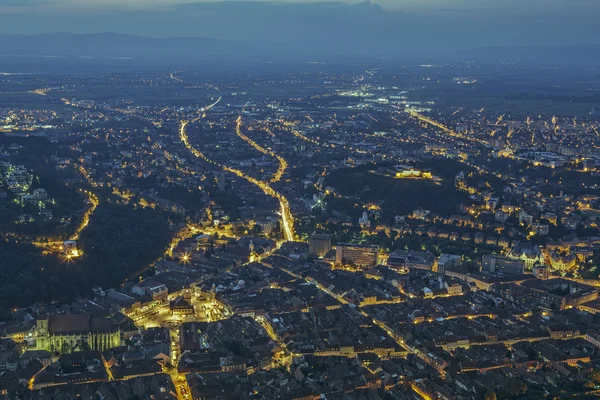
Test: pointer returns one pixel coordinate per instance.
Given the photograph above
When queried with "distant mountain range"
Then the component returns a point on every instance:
(302, 28)
(117, 45)
(554, 54)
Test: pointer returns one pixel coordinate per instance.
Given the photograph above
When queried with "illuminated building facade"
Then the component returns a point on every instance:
(359, 255)
(66, 333)
(319, 245)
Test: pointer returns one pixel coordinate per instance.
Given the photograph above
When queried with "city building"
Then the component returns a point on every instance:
(364, 222)
(40, 194)
(181, 307)
(413, 173)
(448, 261)
(319, 245)
(409, 259)
(479, 238)
(562, 262)
(360, 255)
(541, 272)
(67, 333)
(498, 264)
(70, 248)
(530, 254)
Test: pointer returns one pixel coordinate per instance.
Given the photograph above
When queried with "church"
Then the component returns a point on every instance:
(68, 333)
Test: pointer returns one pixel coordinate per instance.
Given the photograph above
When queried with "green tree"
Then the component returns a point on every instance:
(595, 376)
(518, 388)
(256, 230)
(472, 267)
(490, 395)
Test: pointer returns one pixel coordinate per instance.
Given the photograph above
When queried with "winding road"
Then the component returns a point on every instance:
(282, 162)
(287, 218)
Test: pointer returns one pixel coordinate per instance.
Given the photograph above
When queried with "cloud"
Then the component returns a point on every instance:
(127, 4)
(466, 7)
(496, 7)
(22, 2)
(83, 5)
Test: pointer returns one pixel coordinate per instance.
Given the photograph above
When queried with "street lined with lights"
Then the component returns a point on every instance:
(286, 214)
(282, 163)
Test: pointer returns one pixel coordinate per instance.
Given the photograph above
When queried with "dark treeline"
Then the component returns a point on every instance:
(121, 240)
(27, 277)
(118, 242)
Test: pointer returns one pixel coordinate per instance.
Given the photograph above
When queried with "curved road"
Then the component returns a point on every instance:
(282, 162)
(287, 218)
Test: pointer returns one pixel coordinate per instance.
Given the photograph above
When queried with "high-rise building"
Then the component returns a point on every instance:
(359, 255)
(319, 244)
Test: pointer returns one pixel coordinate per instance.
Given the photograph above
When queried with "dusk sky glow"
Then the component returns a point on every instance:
(419, 25)
(472, 7)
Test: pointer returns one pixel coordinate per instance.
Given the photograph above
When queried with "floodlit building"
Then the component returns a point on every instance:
(181, 307)
(70, 248)
(67, 333)
(364, 222)
(360, 255)
(528, 253)
(319, 245)
(562, 262)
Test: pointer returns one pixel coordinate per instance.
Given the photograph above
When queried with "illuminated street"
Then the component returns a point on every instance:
(301, 200)
(286, 215)
(282, 163)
